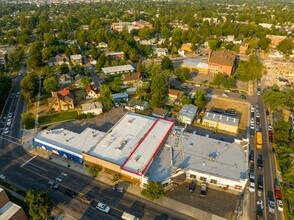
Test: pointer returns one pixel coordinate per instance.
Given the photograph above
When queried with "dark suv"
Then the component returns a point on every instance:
(259, 161)
(192, 186)
(251, 155)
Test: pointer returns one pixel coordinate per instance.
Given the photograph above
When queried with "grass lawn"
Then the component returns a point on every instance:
(57, 117)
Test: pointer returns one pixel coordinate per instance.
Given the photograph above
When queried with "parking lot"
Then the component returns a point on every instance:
(216, 202)
(101, 122)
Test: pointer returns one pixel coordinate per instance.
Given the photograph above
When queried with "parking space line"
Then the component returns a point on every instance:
(28, 161)
(38, 167)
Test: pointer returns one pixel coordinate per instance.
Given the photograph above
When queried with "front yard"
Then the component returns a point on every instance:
(57, 117)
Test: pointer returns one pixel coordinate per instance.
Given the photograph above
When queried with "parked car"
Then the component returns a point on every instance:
(102, 207)
(259, 161)
(6, 130)
(86, 199)
(117, 188)
(252, 121)
(252, 127)
(252, 186)
(280, 205)
(243, 96)
(192, 186)
(226, 95)
(270, 127)
(70, 193)
(8, 121)
(203, 191)
(251, 155)
(271, 202)
(257, 114)
(53, 185)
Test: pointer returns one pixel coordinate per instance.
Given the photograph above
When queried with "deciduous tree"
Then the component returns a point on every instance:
(50, 84)
(105, 97)
(153, 190)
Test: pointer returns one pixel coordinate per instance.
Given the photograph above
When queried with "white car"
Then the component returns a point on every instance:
(252, 187)
(270, 127)
(102, 207)
(252, 109)
(6, 131)
(252, 121)
(8, 122)
(118, 189)
(257, 114)
(225, 95)
(59, 179)
(258, 93)
(280, 205)
(252, 126)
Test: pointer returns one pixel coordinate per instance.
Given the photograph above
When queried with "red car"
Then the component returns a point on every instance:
(278, 194)
(270, 136)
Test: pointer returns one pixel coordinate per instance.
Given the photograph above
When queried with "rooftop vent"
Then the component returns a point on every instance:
(131, 120)
(137, 158)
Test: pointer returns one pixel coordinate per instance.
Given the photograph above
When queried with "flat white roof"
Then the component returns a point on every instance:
(69, 141)
(8, 210)
(202, 154)
(147, 148)
(121, 140)
(115, 69)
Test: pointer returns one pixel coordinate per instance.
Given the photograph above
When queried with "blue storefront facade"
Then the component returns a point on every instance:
(65, 153)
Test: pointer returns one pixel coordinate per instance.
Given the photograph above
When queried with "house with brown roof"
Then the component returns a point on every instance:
(159, 112)
(174, 94)
(221, 61)
(61, 101)
(115, 55)
(132, 78)
(92, 92)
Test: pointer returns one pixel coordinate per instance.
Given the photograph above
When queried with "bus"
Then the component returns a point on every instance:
(259, 140)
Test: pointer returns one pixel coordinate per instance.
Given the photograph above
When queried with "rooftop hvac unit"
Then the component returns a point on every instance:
(137, 158)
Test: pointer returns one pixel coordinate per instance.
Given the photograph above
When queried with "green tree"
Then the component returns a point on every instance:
(153, 190)
(94, 170)
(140, 67)
(218, 79)
(286, 46)
(141, 91)
(200, 98)
(214, 44)
(105, 97)
(186, 100)
(86, 81)
(145, 33)
(49, 39)
(249, 70)
(166, 64)
(40, 206)
(183, 74)
(29, 86)
(5, 86)
(275, 99)
(263, 43)
(100, 62)
(50, 84)
(229, 83)
(27, 120)
(282, 131)
(63, 68)
(159, 87)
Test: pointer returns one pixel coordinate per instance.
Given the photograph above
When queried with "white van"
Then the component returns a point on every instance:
(127, 216)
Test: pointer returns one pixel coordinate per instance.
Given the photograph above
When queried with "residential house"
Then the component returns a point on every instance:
(196, 64)
(102, 45)
(118, 70)
(142, 24)
(92, 92)
(159, 112)
(175, 95)
(115, 55)
(132, 78)
(230, 38)
(78, 81)
(65, 79)
(266, 25)
(117, 97)
(58, 60)
(181, 52)
(139, 104)
(187, 114)
(187, 47)
(61, 101)
(161, 52)
(220, 121)
(221, 61)
(275, 39)
(148, 42)
(95, 108)
(243, 48)
(119, 26)
(10, 210)
(92, 61)
(76, 59)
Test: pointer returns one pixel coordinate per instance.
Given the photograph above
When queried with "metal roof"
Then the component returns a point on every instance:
(116, 69)
(221, 118)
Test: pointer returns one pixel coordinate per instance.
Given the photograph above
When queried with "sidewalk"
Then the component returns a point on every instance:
(132, 189)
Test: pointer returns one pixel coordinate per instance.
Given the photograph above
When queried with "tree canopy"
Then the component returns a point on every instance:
(153, 190)
(166, 64)
(27, 120)
(105, 97)
(200, 98)
(50, 84)
(249, 70)
(286, 46)
(159, 87)
(39, 204)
